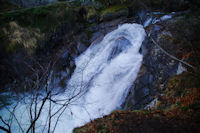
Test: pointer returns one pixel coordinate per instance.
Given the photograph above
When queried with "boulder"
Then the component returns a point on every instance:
(113, 13)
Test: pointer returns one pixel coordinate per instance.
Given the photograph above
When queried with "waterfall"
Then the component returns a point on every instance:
(107, 70)
(104, 73)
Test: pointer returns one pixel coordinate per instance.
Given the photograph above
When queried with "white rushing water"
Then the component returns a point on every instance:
(104, 72)
(154, 20)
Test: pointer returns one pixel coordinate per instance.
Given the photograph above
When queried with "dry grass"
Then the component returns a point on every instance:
(22, 37)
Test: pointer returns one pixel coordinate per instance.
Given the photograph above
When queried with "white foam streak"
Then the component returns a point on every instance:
(147, 22)
(166, 17)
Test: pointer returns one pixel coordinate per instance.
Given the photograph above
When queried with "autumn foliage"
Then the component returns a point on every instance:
(178, 111)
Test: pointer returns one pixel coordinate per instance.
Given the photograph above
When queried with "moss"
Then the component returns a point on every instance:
(142, 111)
(89, 32)
(114, 12)
(157, 105)
(92, 13)
(83, 40)
(169, 108)
(113, 9)
(178, 83)
(12, 48)
(46, 18)
(40, 11)
(182, 91)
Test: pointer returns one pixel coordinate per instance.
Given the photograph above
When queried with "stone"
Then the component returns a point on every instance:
(92, 16)
(113, 15)
(81, 47)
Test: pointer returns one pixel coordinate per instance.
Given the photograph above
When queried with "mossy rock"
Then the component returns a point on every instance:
(92, 15)
(114, 12)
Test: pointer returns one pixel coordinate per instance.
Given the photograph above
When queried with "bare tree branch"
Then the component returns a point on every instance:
(8, 129)
(49, 126)
(40, 110)
(4, 129)
(13, 114)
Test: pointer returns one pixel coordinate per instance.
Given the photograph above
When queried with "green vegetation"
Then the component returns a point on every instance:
(46, 18)
(113, 12)
(113, 9)
(92, 13)
(24, 28)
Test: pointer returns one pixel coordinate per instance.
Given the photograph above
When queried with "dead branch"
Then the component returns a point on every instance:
(8, 129)
(4, 129)
(40, 110)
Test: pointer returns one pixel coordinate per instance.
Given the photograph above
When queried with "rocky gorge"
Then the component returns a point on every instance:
(67, 29)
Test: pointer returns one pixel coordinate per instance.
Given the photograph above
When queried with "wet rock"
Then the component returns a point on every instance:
(81, 47)
(100, 30)
(94, 27)
(95, 36)
(156, 69)
(97, 39)
(65, 54)
(106, 27)
(112, 23)
(122, 45)
(152, 104)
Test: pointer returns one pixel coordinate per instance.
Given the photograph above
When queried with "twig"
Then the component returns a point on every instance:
(4, 129)
(40, 110)
(12, 112)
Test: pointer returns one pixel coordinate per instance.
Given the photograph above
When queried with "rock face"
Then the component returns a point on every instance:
(175, 35)
(156, 69)
(111, 16)
(114, 12)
